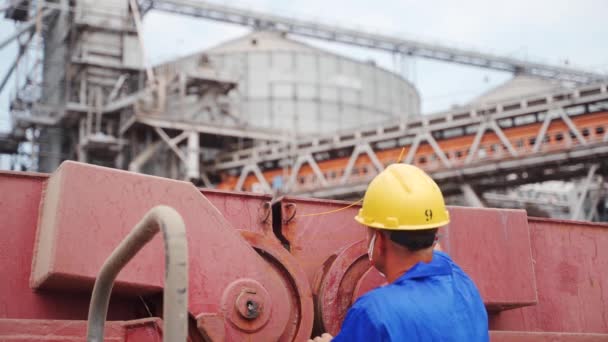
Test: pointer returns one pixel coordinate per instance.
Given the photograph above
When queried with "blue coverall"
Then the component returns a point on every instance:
(433, 301)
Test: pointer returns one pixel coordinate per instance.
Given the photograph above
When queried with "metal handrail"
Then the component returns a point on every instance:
(175, 299)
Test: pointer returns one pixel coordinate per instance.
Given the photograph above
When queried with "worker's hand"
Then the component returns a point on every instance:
(323, 338)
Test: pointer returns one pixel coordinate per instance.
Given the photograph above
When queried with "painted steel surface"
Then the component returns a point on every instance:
(571, 263)
(491, 245)
(244, 210)
(255, 271)
(20, 195)
(87, 210)
(336, 285)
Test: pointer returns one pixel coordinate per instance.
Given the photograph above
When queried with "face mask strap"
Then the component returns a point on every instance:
(370, 249)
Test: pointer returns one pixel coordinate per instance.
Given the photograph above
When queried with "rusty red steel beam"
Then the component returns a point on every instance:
(476, 231)
(20, 195)
(244, 211)
(85, 212)
(571, 272)
(251, 215)
(20, 201)
(290, 254)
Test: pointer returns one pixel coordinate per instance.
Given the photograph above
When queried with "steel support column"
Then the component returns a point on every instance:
(503, 138)
(470, 196)
(173, 142)
(475, 146)
(138, 26)
(137, 162)
(411, 153)
(193, 156)
(550, 116)
(438, 151)
(308, 158)
(258, 174)
(562, 113)
(578, 207)
(592, 213)
(357, 151)
(205, 179)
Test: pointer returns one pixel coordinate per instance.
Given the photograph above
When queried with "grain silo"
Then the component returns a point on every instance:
(288, 85)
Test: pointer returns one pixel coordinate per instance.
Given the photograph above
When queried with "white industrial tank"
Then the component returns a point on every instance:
(287, 85)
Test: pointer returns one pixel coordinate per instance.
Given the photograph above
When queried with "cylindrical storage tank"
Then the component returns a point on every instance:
(291, 86)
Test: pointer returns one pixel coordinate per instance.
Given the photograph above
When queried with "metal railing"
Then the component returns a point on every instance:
(175, 298)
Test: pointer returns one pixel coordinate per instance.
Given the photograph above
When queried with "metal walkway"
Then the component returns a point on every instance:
(508, 160)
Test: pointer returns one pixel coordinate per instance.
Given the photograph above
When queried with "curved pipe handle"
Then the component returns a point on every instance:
(175, 298)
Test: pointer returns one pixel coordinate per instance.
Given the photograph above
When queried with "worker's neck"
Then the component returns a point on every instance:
(399, 262)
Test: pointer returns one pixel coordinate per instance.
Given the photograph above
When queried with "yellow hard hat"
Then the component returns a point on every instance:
(403, 197)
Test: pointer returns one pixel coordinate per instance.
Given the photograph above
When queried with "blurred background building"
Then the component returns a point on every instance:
(270, 112)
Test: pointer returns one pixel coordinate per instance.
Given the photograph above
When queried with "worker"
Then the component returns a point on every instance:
(428, 296)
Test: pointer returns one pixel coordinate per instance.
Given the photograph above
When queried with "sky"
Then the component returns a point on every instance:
(550, 31)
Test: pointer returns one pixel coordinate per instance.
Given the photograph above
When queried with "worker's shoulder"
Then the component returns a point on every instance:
(444, 258)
